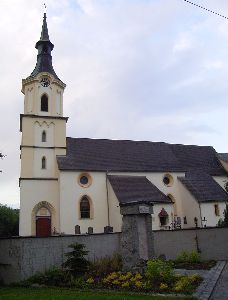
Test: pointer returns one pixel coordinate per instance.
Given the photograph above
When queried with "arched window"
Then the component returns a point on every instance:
(44, 136)
(44, 103)
(174, 203)
(43, 163)
(84, 208)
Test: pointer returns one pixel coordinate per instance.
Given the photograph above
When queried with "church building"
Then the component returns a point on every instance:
(77, 185)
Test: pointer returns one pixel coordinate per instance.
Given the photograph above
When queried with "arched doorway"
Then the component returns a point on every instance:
(43, 219)
(43, 222)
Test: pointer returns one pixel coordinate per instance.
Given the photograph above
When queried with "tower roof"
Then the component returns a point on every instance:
(44, 33)
(44, 58)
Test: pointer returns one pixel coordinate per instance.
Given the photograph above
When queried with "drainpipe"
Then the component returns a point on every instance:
(107, 197)
(200, 215)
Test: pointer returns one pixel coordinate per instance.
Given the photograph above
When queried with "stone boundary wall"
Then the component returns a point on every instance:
(21, 257)
(212, 243)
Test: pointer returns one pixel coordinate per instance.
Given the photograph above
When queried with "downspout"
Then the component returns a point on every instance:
(107, 197)
(200, 215)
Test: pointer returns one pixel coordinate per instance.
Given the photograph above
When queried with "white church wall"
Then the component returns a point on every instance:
(27, 157)
(208, 212)
(50, 170)
(27, 137)
(114, 210)
(32, 157)
(221, 180)
(29, 99)
(225, 165)
(58, 103)
(33, 192)
(31, 133)
(49, 128)
(190, 207)
(71, 193)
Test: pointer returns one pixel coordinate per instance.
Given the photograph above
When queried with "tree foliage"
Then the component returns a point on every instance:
(224, 222)
(1, 156)
(9, 221)
(76, 262)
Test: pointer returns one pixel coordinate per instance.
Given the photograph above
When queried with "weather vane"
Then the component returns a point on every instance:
(45, 7)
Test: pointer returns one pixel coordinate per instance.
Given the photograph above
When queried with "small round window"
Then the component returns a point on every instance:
(168, 180)
(84, 180)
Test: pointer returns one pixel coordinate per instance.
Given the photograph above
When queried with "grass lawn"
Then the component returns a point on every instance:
(64, 294)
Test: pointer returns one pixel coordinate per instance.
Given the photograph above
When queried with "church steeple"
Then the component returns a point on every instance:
(44, 58)
(44, 33)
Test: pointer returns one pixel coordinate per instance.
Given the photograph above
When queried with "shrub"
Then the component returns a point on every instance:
(123, 280)
(196, 279)
(105, 266)
(186, 284)
(188, 257)
(163, 287)
(90, 280)
(159, 271)
(76, 263)
(52, 277)
(78, 282)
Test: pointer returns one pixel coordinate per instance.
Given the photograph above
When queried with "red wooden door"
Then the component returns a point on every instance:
(43, 226)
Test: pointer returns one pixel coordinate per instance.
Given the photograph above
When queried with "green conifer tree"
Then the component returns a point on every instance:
(76, 262)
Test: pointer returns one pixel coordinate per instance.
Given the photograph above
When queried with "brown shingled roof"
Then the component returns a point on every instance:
(136, 189)
(137, 156)
(203, 187)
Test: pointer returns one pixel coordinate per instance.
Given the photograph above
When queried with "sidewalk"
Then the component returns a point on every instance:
(207, 290)
(220, 291)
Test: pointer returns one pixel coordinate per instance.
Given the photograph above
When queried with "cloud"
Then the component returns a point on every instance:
(184, 43)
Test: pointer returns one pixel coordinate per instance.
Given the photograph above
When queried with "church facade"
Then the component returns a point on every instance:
(77, 185)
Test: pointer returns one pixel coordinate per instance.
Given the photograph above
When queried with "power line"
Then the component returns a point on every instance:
(209, 10)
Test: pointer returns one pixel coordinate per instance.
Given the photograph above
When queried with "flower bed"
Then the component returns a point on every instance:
(159, 278)
(106, 274)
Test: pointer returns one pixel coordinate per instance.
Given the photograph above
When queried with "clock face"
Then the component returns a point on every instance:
(45, 82)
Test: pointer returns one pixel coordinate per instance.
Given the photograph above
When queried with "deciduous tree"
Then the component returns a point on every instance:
(9, 221)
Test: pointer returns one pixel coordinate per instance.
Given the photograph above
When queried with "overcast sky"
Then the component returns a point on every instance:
(152, 70)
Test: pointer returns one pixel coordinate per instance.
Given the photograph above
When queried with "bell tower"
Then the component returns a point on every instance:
(43, 130)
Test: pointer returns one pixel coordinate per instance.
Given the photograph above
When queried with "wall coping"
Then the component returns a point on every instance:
(192, 228)
(58, 236)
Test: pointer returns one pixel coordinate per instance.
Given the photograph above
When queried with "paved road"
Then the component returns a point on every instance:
(221, 289)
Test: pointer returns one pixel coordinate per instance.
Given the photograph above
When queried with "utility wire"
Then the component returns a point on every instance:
(209, 10)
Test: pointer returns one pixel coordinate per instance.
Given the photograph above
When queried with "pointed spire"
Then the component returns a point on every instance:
(44, 33)
(44, 37)
(44, 47)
